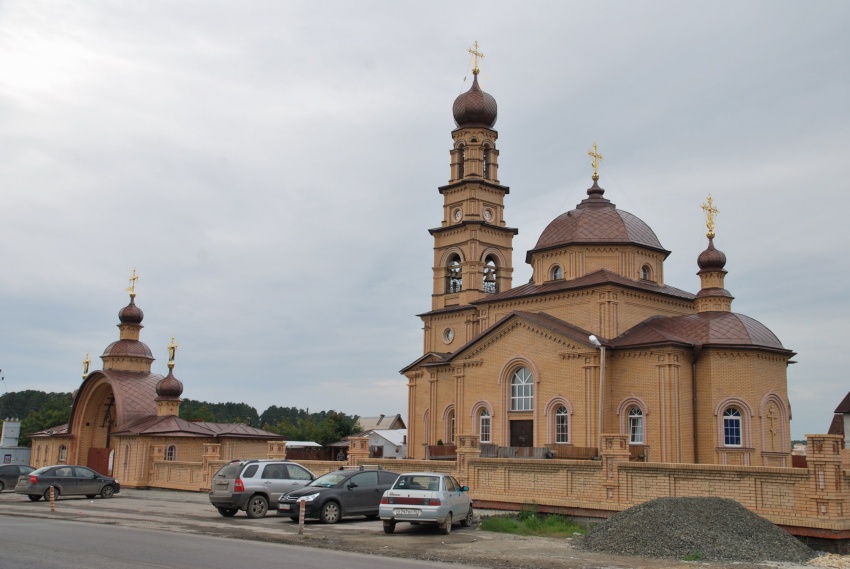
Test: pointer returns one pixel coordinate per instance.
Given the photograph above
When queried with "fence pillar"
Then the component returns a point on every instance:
(615, 450)
(824, 458)
(468, 446)
(277, 449)
(358, 450)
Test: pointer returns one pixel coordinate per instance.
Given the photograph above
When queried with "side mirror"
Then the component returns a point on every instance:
(352, 485)
(464, 488)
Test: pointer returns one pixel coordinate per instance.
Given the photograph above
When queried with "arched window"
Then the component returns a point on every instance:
(37, 455)
(562, 425)
(490, 276)
(557, 273)
(635, 426)
(454, 279)
(63, 454)
(488, 157)
(426, 425)
(461, 160)
(484, 426)
(646, 273)
(126, 462)
(522, 390)
(450, 427)
(171, 453)
(732, 427)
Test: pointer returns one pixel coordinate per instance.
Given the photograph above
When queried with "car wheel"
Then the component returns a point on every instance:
(257, 507)
(34, 497)
(107, 491)
(389, 527)
(467, 521)
(446, 528)
(330, 513)
(55, 493)
(2, 486)
(227, 512)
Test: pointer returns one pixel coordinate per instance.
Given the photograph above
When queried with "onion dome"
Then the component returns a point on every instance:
(596, 221)
(711, 259)
(169, 386)
(475, 107)
(131, 314)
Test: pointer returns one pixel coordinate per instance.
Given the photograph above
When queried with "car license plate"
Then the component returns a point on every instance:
(284, 507)
(406, 512)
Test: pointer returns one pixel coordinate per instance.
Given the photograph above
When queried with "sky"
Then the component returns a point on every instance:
(270, 169)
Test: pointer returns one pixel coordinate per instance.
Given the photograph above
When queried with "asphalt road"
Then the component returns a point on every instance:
(27, 543)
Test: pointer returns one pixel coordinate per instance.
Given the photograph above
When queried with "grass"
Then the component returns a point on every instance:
(531, 522)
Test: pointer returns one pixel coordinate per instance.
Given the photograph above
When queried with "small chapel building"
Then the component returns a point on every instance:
(596, 342)
(125, 422)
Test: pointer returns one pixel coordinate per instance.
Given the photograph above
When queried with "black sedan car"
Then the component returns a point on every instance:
(66, 480)
(343, 492)
(9, 474)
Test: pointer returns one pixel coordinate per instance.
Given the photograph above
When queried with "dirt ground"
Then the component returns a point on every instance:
(192, 513)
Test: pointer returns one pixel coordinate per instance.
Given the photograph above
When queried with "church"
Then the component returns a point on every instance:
(125, 421)
(595, 342)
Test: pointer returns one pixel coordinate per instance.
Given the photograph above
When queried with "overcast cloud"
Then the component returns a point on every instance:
(271, 170)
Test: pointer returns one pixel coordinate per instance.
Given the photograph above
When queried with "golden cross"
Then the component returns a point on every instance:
(710, 212)
(133, 279)
(476, 54)
(172, 351)
(595, 163)
(86, 363)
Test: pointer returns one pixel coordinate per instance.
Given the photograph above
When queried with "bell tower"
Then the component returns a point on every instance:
(472, 247)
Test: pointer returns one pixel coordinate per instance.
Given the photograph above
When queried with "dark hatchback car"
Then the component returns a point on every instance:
(66, 480)
(9, 474)
(337, 494)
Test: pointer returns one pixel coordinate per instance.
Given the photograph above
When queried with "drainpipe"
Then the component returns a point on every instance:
(696, 355)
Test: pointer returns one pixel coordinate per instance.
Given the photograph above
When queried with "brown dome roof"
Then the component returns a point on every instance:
(704, 328)
(128, 348)
(169, 386)
(596, 221)
(711, 258)
(131, 314)
(475, 107)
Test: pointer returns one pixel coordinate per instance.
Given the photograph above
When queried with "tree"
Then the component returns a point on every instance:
(37, 411)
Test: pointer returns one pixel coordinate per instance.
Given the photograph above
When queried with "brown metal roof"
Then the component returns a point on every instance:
(596, 221)
(475, 107)
(844, 406)
(704, 328)
(600, 277)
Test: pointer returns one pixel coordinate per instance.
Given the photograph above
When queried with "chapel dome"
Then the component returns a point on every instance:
(131, 314)
(597, 221)
(475, 107)
(128, 348)
(711, 258)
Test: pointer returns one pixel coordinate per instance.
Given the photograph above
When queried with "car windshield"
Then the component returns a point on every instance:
(417, 482)
(329, 480)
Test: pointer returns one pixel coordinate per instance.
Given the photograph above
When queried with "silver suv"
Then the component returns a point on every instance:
(251, 485)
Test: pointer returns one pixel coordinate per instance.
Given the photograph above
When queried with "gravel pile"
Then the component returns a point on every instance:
(707, 529)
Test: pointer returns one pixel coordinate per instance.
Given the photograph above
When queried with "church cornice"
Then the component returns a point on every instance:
(476, 181)
(463, 226)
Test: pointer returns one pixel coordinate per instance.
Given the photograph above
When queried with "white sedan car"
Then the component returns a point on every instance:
(426, 498)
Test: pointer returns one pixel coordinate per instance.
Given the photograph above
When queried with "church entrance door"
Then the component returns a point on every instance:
(99, 460)
(522, 433)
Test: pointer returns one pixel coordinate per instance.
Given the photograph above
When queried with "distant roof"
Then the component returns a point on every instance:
(381, 422)
(393, 436)
(301, 444)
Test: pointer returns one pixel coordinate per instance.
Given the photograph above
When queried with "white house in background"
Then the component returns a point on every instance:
(388, 443)
(10, 452)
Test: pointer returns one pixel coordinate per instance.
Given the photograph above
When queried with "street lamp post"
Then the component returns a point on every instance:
(595, 341)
